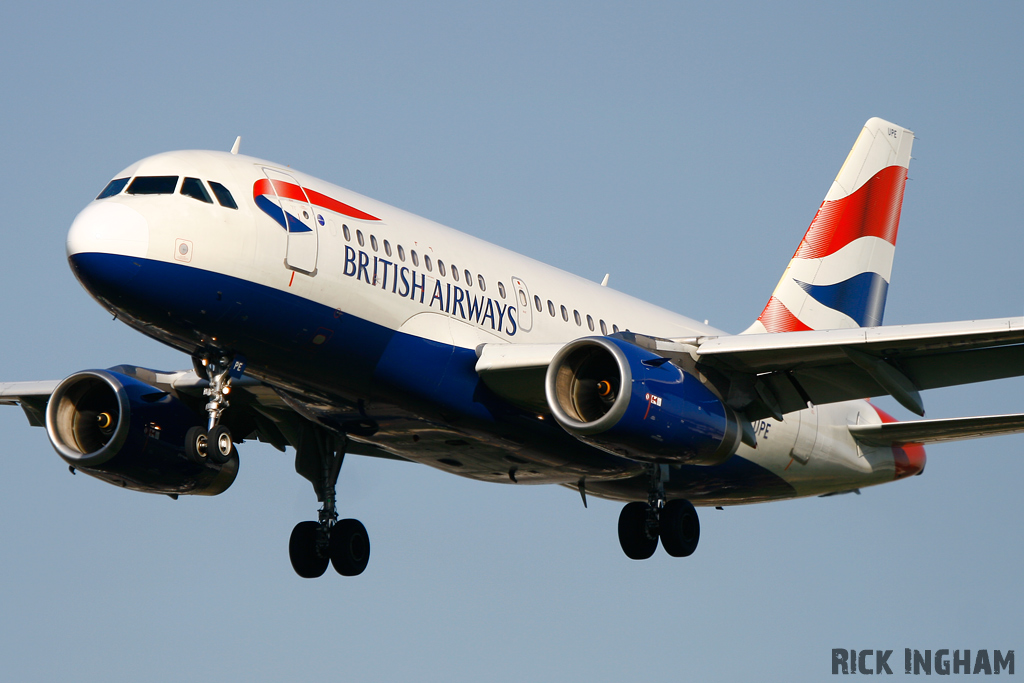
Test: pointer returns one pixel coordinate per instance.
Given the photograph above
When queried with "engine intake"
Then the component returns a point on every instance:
(631, 402)
(131, 434)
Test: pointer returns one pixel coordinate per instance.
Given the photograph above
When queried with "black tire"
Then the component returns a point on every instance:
(350, 547)
(219, 448)
(633, 532)
(680, 528)
(306, 559)
(196, 445)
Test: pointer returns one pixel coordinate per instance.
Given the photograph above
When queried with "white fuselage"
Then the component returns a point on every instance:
(361, 265)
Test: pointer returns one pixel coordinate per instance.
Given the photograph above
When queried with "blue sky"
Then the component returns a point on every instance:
(681, 147)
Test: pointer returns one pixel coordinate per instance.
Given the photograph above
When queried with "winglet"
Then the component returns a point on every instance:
(839, 276)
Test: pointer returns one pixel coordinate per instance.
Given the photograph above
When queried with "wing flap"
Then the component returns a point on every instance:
(937, 431)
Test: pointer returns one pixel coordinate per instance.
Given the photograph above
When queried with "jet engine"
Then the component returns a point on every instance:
(131, 434)
(628, 401)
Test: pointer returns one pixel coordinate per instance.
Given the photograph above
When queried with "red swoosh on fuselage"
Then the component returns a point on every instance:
(293, 191)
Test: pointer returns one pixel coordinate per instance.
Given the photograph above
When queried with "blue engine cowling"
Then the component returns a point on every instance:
(628, 401)
(128, 433)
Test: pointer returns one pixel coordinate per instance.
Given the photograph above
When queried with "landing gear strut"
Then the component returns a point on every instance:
(313, 545)
(214, 441)
(675, 522)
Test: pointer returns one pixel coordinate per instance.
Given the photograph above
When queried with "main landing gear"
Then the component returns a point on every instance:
(675, 522)
(213, 442)
(313, 545)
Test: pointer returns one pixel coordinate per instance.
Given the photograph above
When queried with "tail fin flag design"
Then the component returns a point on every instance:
(839, 275)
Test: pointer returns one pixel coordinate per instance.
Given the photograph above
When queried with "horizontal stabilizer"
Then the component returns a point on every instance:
(937, 431)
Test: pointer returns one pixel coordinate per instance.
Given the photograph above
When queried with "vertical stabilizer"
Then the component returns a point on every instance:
(839, 275)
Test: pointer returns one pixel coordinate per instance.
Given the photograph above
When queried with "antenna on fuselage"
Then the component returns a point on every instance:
(234, 147)
(604, 282)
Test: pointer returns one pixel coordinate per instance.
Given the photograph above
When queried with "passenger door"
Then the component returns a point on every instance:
(523, 305)
(303, 227)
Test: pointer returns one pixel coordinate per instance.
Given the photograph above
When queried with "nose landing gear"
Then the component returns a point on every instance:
(214, 442)
(675, 522)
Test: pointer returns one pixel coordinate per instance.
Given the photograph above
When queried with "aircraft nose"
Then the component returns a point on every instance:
(109, 228)
(106, 244)
(910, 459)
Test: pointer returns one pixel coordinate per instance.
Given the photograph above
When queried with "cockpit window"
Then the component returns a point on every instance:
(153, 184)
(193, 187)
(113, 187)
(223, 196)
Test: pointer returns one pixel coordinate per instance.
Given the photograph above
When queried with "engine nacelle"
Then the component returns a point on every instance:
(628, 401)
(128, 433)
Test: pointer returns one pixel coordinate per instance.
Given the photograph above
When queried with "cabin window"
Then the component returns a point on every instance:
(501, 290)
(480, 281)
(565, 314)
(415, 257)
(576, 315)
(359, 238)
(551, 308)
(427, 264)
(615, 328)
(455, 273)
(348, 234)
(590, 323)
(223, 195)
(387, 247)
(440, 267)
(604, 328)
(469, 278)
(536, 301)
(153, 184)
(193, 187)
(401, 253)
(113, 187)
(373, 242)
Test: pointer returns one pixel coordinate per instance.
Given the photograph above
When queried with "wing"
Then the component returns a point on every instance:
(257, 410)
(787, 370)
(937, 431)
(768, 375)
(516, 372)
(31, 396)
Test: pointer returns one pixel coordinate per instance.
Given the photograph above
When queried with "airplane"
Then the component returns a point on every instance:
(326, 321)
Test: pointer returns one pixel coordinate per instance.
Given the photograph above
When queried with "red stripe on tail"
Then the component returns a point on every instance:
(872, 211)
(777, 318)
